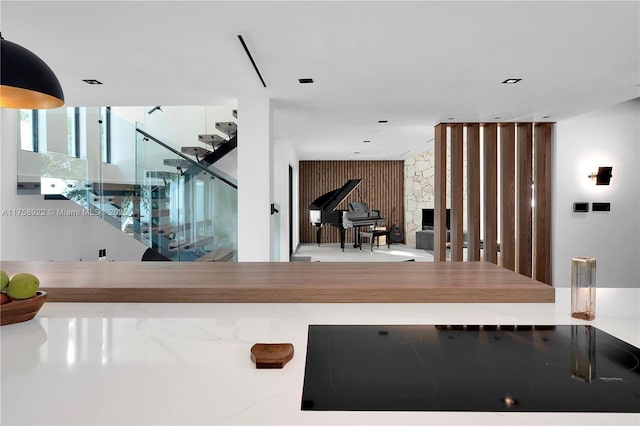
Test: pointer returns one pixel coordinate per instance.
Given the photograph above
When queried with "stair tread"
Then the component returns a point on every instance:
(160, 174)
(219, 255)
(212, 139)
(160, 212)
(176, 162)
(229, 128)
(190, 245)
(194, 150)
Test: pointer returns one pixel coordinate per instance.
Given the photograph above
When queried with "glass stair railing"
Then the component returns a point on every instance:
(173, 200)
(188, 209)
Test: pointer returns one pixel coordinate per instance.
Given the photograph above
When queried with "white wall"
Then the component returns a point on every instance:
(51, 235)
(255, 180)
(179, 126)
(607, 137)
(283, 157)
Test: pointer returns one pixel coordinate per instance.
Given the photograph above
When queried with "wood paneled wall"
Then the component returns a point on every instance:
(382, 188)
(515, 158)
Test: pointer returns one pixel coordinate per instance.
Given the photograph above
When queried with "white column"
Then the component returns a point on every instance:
(255, 180)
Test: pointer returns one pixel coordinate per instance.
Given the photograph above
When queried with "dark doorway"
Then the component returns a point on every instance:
(290, 210)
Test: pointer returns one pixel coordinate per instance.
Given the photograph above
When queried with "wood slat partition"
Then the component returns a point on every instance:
(524, 194)
(457, 192)
(382, 188)
(490, 140)
(542, 193)
(440, 193)
(507, 195)
(473, 192)
(524, 158)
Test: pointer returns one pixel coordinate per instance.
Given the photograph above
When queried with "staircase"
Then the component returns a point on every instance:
(181, 206)
(188, 198)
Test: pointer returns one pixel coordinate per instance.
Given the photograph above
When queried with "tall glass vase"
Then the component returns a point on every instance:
(583, 288)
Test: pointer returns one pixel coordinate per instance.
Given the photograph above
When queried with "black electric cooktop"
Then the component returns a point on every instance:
(565, 368)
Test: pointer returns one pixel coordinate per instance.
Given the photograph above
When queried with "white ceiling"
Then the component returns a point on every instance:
(413, 63)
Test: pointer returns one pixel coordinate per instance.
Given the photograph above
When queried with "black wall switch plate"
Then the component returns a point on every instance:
(581, 207)
(601, 207)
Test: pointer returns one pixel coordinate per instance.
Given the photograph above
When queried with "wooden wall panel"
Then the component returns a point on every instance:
(473, 192)
(490, 140)
(524, 194)
(542, 212)
(440, 193)
(457, 192)
(507, 195)
(382, 188)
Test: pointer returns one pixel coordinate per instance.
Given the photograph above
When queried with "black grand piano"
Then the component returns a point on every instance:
(323, 211)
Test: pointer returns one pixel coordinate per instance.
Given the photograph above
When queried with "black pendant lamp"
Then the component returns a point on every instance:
(26, 81)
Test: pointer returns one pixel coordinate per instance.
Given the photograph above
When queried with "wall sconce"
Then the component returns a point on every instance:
(603, 177)
(27, 82)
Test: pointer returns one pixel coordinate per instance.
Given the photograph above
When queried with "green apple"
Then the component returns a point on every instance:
(4, 280)
(23, 285)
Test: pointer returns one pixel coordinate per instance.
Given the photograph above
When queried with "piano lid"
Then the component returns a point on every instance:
(330, 200)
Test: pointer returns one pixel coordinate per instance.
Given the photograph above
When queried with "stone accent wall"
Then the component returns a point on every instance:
(418, 187)
(419, 175)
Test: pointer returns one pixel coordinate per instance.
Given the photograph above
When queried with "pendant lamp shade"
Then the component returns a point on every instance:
(27, 82)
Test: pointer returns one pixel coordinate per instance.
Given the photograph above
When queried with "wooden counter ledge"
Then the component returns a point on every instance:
(294, 282)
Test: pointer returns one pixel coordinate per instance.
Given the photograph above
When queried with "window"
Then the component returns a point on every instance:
(73, 132)
(28, 129)
(105, 134)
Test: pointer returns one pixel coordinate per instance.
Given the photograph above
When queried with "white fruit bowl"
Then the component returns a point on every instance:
(22, 310)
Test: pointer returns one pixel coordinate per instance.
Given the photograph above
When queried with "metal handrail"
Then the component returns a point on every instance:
(181, 155)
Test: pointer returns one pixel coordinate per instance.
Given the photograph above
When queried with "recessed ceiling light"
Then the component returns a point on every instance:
(383, 121)
(547, 116)
(92, 81)
(451, 118)
(511, 81)
(497, 118)
(305, 80)
(356, 152)
(366, 141)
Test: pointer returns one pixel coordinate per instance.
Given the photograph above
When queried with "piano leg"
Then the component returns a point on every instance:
(356, 237)
(342, 237)
(318, 234)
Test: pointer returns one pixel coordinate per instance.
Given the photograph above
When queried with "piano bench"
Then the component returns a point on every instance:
(375, 236)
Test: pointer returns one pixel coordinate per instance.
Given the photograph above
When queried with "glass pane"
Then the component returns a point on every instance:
(71, 132)
(25, 129)
(189, 209)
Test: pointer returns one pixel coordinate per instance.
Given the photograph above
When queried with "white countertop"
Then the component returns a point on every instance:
(189, 364)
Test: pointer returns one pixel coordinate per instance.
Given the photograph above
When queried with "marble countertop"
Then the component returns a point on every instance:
(189, 364)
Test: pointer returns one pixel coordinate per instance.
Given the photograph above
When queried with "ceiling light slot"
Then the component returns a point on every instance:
(246, 49)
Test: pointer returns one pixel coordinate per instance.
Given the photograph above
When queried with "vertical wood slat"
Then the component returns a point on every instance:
(473, 192)
(440, 193)
(457, 192)
(490, 140)
(542, 215)
(507, 195)
(382, 188)
(524, 193)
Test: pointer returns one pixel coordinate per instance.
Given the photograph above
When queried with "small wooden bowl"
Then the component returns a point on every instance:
(22, 310)
(271, 355)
